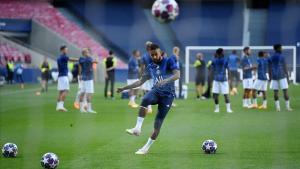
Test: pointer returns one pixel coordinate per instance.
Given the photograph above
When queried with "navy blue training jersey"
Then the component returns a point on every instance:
(246, 63)
(233, 62)
(159, 72)
(62, 63)
(219, 66)
(262, 68)
(277, 62)
(133, 68)
(86, 64)
(146, 59)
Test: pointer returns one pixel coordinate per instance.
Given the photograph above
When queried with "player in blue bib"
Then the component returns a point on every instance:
(164, 72)
(219, 66)
(233, 74)
(145, 61)
(279, 76)
(247, 76)
(87, 76)
(133, 76)
(261, 83)
(63, 80)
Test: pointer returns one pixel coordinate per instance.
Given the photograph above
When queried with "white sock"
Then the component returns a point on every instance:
(265, 103)
(228, 106)
(217, 106)
(244, 102)
(139, 123)
(89, 106)
(277, 104)
(148, 144)
(132, 98)
(149, 107)
(248, 101)
(287, 104)
(61, 104)
(255, 101)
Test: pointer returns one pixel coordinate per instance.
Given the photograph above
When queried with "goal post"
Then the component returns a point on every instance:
(190, 51)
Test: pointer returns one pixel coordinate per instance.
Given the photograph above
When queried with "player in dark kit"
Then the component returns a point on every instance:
(164, 72)
(279, 77)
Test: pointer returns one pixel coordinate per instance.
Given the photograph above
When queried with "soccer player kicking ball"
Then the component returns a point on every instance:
(63, 80)
(164, 72)
(86, 73)
(261, 83)
(220, 83)
(279, 75)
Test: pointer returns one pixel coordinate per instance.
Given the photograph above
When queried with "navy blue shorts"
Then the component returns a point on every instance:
(164, 103)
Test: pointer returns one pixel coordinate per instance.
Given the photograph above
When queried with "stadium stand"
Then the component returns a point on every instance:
(8, 52)
(45, 14)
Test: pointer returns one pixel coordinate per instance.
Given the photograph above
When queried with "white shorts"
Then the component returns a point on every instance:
(279, 84)
(87, 86)
(148, 85)
(248, 83)
(131, 81)
(63, 83)
(260, 85)
(220, 87)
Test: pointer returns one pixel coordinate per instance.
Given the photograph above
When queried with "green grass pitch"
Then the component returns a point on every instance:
(260, 139)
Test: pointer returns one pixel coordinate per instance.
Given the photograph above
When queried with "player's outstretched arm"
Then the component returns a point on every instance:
(175, 76)
(133, 85)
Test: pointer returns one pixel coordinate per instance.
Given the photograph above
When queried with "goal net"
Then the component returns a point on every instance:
(289, 52)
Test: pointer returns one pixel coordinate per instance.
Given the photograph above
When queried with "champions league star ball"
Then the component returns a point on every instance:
(49, 161)
(9, 150)
(165, 10)
(209, 146)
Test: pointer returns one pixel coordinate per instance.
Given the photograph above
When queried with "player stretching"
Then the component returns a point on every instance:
(86, 73)
(164, 72)
(279, 75)
(261, 83)
(220, 83)
(63, 81)
(145, 61)
(247, 77)
(133, 76)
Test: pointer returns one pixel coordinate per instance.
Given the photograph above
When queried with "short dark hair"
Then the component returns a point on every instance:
(134, 52)
(277, 47)
(246, 48)
(219, 51)
(154, 46)
(261, 53)
(111, 52)
(63, 47)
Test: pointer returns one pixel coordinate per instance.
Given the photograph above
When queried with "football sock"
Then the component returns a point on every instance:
(265, 103)
(139, 123)
(287, 104)
(89, 106)
(277, 104)
(244, 102)
(228, 106)
(132, 98)
(148, 144)
(217, 106)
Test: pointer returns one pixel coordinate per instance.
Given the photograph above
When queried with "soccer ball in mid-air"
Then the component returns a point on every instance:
(165, 10)
(9, 150)
(49, 161)
(209, 146)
